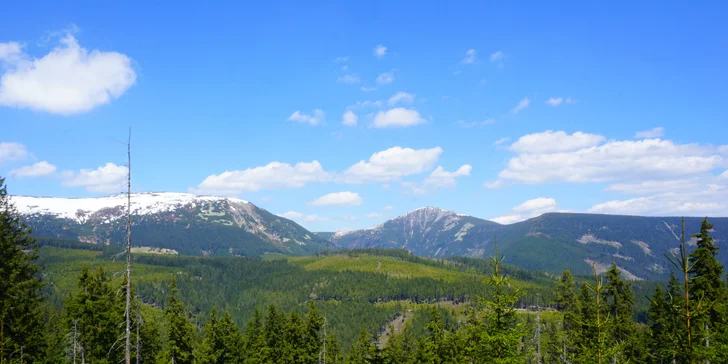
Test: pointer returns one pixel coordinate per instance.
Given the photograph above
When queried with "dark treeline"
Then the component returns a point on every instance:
(593, 322)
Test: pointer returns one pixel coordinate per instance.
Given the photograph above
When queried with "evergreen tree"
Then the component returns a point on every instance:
(180, 331)
(20, 298)
(333, 350)
(708, 290)
(95, 313)
(314, 335)
(502, 334)
(255, 342)
(277, 349)
(659, 326)
(363, 351)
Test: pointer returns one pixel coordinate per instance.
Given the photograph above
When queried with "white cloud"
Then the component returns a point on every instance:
(388, 208)
(341, 59)
(528, 209)
(580, 157)
(470, 56)
(555, 101)
(493, 185)
(39, 169)
(392, 164)
(550, 141)
(368, 89)
(349, 118)
(401, 97)
(274, 175)
(497, 57)
(68, 80)
(397, 117)
(346, 198)
(12, 151)
(348, 79)
(649, 134)
(105, 179)
(724, 175)
(375, 215)
(301, 217)
(521, 105)
(368, 104)
(380, 51)
(502, 141)
(442, 178)
(315, 119)
(385, 78)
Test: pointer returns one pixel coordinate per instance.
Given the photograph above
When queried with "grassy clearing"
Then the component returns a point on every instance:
(389, 266)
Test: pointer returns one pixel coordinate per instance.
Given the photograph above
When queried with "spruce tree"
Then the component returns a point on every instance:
(363, 351)
(708, 290)
(314, 334)
(659, 326)
(255, 344)
(20, 299)
(333, 350)
(180, 331)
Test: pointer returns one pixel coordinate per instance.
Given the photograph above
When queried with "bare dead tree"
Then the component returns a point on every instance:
(127, 312)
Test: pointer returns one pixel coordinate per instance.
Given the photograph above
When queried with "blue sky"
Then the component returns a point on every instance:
(622, 105)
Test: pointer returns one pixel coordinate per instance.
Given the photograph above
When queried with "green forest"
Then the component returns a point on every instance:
(65, 302)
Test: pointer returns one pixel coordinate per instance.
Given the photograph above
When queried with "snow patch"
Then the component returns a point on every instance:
(644, 246)
(601, 268)
(79, 209)
(463, 231)
(620, 256)
(589, 238)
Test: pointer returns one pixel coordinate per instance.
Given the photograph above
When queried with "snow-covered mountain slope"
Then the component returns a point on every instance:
(188, 223)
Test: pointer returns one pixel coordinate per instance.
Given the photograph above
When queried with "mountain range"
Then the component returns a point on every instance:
(204, 225)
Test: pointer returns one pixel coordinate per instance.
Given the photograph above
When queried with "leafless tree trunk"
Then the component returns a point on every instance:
(127, 312)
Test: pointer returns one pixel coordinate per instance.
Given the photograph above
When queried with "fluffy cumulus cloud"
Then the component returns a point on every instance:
(521, 105)
(314, 119)
(555, 141)
(346, 198)
(442, 178)
(385, 78)
(349, 118)
(580, 157)
(274, 175)
(657, 132)
(380, 51)
(528, 209)
(108, 178)
(401, 97)
(651, 176)
(471, 56)
(39, 169)
(397, 117)
(301, 217)
(12, 152)
(438, 178)
(69, 79)
(391, 165)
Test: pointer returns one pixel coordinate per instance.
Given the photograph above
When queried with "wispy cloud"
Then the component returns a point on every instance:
(349, 118)
(470, 57)
(497, 57)
(649, 134)
(401, 97)
(380, 51)
(348, 78)
(385, 78)
(315, 119)
(341, 59)
(521, 105)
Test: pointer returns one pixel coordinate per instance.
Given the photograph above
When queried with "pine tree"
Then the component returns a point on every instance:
(255, 343)
(211, 348)
(277, 349)
(658, 317)
(232, 340)
(502, 333)
(20, 299)
(95, 310)
(180, 331)
(314, 335)
(363, 351)
(708, 289)
(333, 350)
